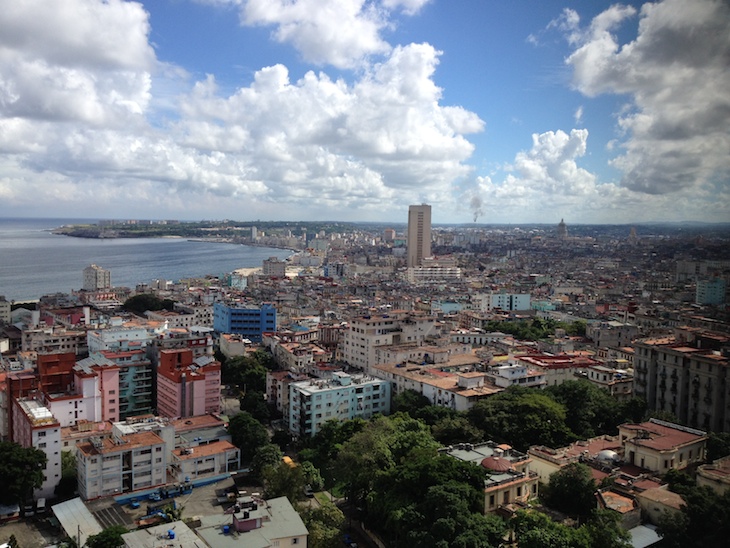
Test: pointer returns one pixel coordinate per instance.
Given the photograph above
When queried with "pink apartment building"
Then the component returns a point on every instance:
(187, 386)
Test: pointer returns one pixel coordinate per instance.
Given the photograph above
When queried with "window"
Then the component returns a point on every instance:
(295, 541)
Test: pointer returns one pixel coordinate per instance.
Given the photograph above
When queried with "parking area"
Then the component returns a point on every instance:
(31, 532)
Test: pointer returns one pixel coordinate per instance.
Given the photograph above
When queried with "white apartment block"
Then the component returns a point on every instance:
(35, 426)
(96, 277)
(54, 340)
(116, 465)
(212, 459)
(202, 313)
(431, 274)
(458, 391)
(314, 402)
(4, 310)
(366, 333)
(486, 302)
(172, 319)
(505, 376)
(114, 337)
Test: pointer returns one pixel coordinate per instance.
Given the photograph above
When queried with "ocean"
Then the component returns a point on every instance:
(34, 262)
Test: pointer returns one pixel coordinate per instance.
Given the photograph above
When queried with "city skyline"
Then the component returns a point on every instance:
(352, 110)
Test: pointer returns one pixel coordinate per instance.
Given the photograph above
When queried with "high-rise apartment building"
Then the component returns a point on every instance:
(419, 234)
(687, 376)
(96, 278)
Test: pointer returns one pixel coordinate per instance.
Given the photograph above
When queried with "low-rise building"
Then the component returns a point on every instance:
(212, 459)
(660, 446)
(505, 376)
(716, 476)
(510, 479)
(659, 501)
(116, 465)
(272, 522)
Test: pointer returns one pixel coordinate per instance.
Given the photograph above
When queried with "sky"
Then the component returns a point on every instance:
(350, 110)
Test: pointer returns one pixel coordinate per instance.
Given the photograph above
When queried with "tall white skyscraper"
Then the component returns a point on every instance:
(419, 234)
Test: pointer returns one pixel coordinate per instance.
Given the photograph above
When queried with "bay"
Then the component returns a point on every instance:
(35, 262)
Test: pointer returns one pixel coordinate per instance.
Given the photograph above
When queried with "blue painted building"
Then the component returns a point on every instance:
(246, 320)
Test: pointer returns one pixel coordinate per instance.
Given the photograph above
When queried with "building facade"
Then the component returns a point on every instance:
(314, 402)
(120, 464)
(366, 333)
(187, 386)
(419, 234)
(249, 321)
(685, 377)
(96, 278)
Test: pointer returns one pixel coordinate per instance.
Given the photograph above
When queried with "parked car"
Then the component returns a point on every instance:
(29, 509)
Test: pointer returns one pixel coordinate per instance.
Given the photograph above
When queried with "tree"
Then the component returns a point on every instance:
(534, 529)
(312, 476)
(111, 537)
(282, 480)
(21, 471)
(718, 445)
(254, 402)
(456, 430)
(246, 372)
(139, 304)
(522, 417)
(324, 524)
(66, 487)
(410, 402)
(590, 410)
(604, 530)
(704, 520)
(247, 434)
(385, 442)
(266, 455)
(571, 490)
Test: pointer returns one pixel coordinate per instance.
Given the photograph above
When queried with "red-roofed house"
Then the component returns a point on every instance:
(660, 446)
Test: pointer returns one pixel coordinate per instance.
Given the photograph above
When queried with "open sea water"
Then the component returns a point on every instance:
(34, 262)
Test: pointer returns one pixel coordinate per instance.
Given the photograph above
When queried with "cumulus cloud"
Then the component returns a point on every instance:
(358, 143)
(79, 128)
(675, 72)
(75, 72)
(341, 33)
(546, 183)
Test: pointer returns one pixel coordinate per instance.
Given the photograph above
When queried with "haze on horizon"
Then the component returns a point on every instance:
(351, 110)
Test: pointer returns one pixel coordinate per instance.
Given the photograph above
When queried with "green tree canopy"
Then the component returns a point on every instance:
(266, 455)
(590, 410)
(247, 372)
(571, 490)
(282, 480)
(111, 537)
(383, 443)
(522, 417)
(704, 520)
(718, 445)
(21, 471)
(139, 304)
(456, 429)
(324, 524)
(253, 402)
(247, 434)
(536, 530)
